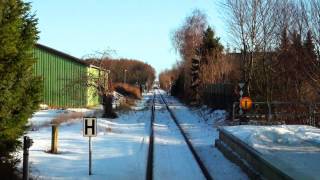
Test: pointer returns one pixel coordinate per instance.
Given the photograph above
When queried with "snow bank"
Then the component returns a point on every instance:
(281, 137)
(294, 149)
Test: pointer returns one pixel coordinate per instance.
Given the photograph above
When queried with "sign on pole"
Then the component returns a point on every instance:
(241, 85)
(90, 130)
(89, 126)
(246, 103)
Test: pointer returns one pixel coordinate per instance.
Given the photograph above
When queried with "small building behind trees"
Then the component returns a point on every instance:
(64, 79)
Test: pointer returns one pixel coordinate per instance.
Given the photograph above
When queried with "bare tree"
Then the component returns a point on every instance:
(257, 26)
(100, 80)
(252, 27)
(315, 23)
(186, 40)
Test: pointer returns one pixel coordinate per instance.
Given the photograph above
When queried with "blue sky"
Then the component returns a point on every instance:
(137, 29)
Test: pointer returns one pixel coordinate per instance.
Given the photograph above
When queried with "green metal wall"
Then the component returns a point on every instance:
(61, 79)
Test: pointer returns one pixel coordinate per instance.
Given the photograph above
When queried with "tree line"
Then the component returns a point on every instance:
(276, 51)
(130, 71)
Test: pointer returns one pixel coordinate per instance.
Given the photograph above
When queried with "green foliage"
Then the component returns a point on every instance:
(19, 89)
(210, 44)
(177, 86)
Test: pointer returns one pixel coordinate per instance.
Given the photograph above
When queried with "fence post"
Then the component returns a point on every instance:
(314, 115)
(233, 110)
(311, 115)
(27, 143)
(54, 139)
(269, 111)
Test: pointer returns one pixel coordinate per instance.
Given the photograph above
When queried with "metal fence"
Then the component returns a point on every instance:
(281, 112)
(219, 96)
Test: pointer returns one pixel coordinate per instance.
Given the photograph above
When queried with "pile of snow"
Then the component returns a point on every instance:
(212, 117)
(281, 137)
(294, 149)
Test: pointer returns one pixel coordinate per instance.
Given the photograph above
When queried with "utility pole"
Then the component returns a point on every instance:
(242, 84)
(125, 76)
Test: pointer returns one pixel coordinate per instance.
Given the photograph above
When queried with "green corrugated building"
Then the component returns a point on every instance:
(64, 78)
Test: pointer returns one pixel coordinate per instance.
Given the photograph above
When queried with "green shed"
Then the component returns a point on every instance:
(63, 79)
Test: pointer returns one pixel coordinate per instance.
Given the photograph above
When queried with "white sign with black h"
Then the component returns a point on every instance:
(89, 130)
(89, 126)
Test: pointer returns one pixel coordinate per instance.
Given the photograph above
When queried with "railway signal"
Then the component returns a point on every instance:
(195, 80)
(246, 103)
(90, 130)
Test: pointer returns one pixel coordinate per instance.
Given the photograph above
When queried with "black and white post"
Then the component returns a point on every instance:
(241, 85)
(90, 130)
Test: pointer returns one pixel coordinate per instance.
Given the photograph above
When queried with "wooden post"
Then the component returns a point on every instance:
(54, 139)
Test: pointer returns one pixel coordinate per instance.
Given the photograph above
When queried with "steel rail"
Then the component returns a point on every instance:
(193, 151)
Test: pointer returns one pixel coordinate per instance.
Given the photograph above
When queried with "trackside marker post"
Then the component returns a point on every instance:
(241, 85)
(90, 130)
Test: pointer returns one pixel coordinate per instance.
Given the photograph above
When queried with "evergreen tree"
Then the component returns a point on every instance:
(284, 41)
(19, 89)
(211, 45)
(207, 54)
(285, 68)
(309, 47)
(311, 64)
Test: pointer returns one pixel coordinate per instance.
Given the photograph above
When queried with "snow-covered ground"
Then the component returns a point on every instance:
(294, 149)
(119, 150)
(202, 132)
(172, 157)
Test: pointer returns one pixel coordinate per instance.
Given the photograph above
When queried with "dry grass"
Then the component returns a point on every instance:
(127, 90)
(108, 129)
(67, 117)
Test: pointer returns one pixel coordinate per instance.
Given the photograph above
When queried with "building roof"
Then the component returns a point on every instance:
(62, 54)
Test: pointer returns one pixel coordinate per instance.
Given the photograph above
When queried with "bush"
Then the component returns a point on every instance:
(127, 90)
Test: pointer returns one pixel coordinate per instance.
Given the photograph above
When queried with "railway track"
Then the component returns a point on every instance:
(151, 153)
(149, 174)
